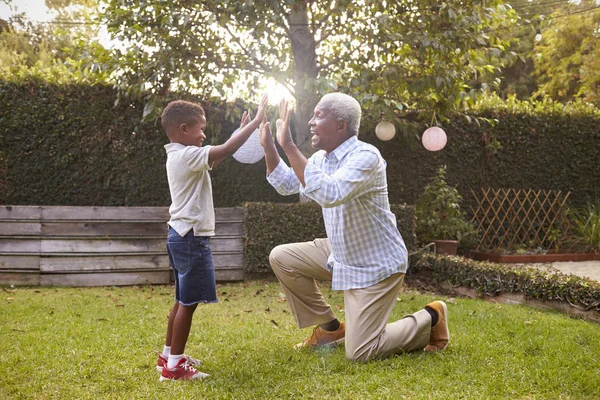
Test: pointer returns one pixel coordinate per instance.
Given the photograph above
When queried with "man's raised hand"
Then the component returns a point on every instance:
(284, 135)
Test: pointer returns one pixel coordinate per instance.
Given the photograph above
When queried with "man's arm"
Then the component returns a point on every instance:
(279, 175)
(284, 137)
(266, 140)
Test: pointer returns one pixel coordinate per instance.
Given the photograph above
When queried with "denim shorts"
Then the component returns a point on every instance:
(193, 269)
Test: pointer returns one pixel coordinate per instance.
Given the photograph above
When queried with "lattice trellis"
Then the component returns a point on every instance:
(519, 218)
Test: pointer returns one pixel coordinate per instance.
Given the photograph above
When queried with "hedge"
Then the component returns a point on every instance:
(491, 278)
(270, 224)
(69, 145)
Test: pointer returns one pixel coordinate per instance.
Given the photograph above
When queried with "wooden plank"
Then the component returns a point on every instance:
(106, 278)
(101, 245)
(229, 228)
(112, 229)
(124, 262)
(19, 228)
(227, 244)
(105, 213)
(229, 214)
(116, 245)
(29, 278)
(20, 212)
(20, 245)
(104, 263)
(229, 275)
(228, 259)
(12, 262)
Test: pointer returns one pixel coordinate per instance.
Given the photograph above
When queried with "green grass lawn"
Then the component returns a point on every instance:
(97, 343)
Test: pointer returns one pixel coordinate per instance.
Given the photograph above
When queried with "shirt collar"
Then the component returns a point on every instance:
(169, 147)
(343, 149)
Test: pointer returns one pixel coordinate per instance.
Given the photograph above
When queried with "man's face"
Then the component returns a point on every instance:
(327, 133)
(194, 133)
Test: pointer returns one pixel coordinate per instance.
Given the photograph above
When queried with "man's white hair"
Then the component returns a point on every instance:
(344, 108)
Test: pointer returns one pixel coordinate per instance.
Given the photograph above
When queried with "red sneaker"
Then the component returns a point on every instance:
(182, 371)
(163, 361)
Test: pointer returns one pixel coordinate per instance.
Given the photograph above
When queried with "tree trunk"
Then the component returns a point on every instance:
(303, 49)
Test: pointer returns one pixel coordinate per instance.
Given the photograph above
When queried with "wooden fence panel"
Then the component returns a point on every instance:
(90, 246)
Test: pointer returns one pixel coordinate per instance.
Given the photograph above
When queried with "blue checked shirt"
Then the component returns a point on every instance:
(351, 185)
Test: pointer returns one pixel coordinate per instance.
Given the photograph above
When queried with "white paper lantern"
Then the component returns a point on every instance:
(385, 130)
(252, 151)
(434, 138)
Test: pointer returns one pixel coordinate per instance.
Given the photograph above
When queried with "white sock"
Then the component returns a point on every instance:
(173, 360)
(166, 351)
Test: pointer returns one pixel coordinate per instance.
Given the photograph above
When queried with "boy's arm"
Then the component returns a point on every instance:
(222, 151)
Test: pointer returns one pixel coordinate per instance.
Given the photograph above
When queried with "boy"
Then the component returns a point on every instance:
(192, 223)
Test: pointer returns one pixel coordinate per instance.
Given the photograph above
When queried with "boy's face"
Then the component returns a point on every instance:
(193, 135)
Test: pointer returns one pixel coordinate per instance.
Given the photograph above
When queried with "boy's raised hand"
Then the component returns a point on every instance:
(262, 110)
(245, 119)
(284, 135)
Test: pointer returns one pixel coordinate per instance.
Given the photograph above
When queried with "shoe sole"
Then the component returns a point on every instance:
(445, 308)
(199, 375)
(446, 323)
(335, 343)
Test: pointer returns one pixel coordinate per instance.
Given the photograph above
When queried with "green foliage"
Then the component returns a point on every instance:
(567, 57)
(101, 343)
(586, 223)
(61, 51)
(269, 224)
(426, 56)
(491, 278)
(65, 144)
(439, 216)
(69, 145)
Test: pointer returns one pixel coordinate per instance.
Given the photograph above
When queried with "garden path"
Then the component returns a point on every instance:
(589, 269)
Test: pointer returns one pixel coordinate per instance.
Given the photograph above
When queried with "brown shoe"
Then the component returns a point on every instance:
(440, 335)
(321, 337)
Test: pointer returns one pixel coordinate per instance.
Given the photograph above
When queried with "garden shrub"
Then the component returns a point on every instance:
(67, 144)
(491, 278)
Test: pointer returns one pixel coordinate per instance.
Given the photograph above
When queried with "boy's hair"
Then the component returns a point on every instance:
(344, 108)
(180, 112)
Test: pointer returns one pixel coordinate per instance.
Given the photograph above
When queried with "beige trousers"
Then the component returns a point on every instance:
(368, 335)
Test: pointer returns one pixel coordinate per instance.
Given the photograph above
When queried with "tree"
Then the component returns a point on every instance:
(394, 56)
(52, 48)
(567, 63)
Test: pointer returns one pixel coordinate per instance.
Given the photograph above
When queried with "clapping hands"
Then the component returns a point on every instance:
(284, 135)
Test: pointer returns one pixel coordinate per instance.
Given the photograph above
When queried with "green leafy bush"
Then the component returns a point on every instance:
(586, 227)
(439, 216)
(491, 278)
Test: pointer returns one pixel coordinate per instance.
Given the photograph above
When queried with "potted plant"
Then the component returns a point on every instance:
(440, 219)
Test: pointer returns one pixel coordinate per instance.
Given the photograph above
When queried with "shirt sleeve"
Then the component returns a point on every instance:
(354, 178)
(197, 158)
(284, 179)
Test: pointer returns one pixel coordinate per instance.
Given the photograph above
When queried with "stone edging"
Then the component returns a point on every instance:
(519, 298)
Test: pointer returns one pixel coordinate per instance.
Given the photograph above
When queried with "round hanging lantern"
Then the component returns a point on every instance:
(385, 130)
(434, 138)
(251, 152)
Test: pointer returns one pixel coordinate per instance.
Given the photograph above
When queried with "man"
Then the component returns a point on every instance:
(364, 254)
